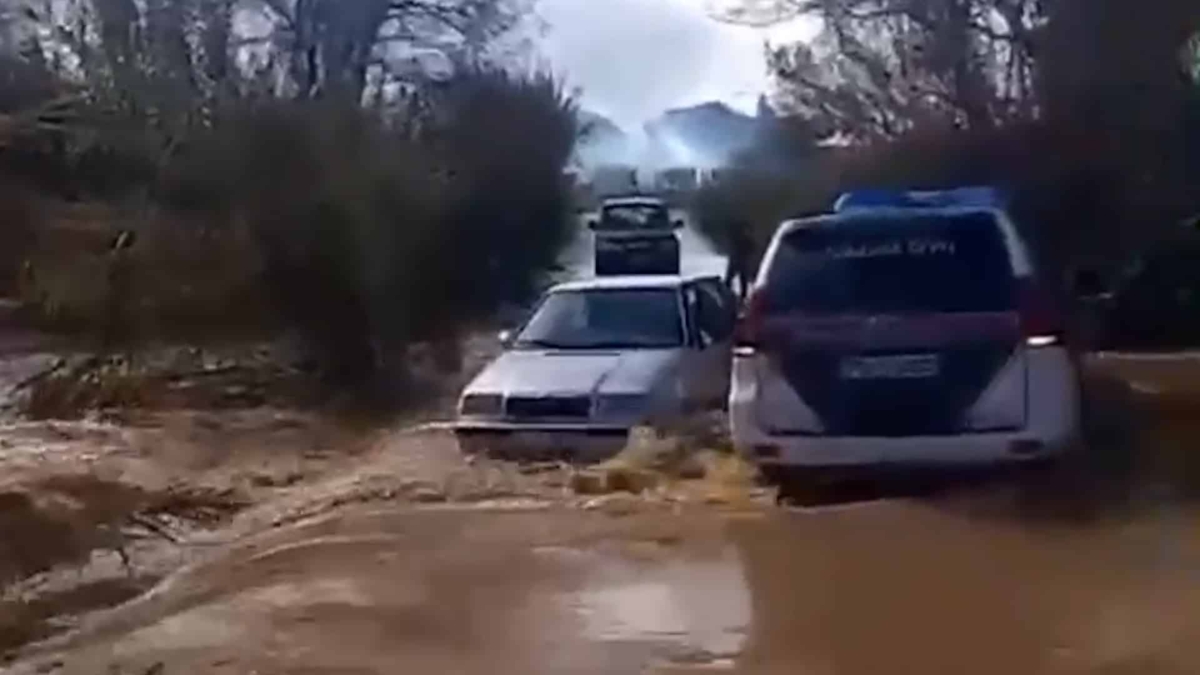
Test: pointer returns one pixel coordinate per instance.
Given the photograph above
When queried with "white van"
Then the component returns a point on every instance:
(903, 328)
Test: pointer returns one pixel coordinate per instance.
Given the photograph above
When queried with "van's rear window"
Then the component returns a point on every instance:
(634, 217)
(872, 264)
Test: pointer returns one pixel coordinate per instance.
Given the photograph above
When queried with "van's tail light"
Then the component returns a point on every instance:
(748, 331)
(1042, 321)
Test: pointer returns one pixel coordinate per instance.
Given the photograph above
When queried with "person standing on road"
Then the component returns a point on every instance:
(739, 249)
(118, 317)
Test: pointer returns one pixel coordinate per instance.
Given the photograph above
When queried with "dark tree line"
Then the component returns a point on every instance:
(369, 170)
(1088, 109)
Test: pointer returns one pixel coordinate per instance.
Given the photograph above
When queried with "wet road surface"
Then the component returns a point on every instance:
(975, 576)
(896, 588)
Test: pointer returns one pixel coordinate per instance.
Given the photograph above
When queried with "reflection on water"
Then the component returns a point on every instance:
(899, 587)
(701, 605)
(896, 587)
(904, 588)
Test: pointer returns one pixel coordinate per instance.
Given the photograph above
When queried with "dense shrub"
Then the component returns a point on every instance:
(18, 234)
(370, 236)
(1075, 188)
(366, 231)
(505, 141)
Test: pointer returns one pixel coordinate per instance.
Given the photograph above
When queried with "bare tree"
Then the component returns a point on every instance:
(335, 44)
(880, 68)
(1089, 109)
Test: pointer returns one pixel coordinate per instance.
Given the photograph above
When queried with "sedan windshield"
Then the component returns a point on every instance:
(606, 319)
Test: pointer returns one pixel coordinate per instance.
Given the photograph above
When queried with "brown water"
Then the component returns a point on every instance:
(881, 588)
(333, 569)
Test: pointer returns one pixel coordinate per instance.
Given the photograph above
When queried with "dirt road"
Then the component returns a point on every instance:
(270, 542)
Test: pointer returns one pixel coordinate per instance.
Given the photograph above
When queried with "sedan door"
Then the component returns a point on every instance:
(711, 311)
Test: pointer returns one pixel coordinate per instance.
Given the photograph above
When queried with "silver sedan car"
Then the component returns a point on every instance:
(596, 358)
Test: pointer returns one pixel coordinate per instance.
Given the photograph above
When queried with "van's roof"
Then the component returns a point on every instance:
(1021, 259)
(631, 281)
(639, 200)
(884, 212)
(973, 195)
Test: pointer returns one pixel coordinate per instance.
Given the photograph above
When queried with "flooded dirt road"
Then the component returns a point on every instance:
(379, 564)
(895, 588)
(275, 541)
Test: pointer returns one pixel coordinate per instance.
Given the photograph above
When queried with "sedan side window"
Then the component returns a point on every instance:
(700, 336)
(717, 310)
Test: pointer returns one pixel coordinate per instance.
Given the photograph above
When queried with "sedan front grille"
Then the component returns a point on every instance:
(526, 407)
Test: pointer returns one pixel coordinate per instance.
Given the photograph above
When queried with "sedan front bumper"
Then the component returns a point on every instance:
(573, 442)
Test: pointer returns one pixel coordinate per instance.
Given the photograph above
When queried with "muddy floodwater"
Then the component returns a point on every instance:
(878, 588)
(277, 547)
(362, 570)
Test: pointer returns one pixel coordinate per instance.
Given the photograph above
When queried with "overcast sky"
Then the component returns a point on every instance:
(634, 59)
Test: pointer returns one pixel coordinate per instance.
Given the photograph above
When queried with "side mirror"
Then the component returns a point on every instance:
(591, 223)
(677, 224)
(505, 337)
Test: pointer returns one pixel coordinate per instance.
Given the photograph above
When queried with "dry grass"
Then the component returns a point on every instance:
(91, 385)
(182, 274)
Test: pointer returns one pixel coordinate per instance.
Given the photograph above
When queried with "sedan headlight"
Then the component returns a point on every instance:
(622, 406)
(481, 405)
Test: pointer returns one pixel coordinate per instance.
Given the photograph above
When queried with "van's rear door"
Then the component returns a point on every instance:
(892, 324)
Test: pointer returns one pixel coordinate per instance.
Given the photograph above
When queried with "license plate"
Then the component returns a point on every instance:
(905, 367)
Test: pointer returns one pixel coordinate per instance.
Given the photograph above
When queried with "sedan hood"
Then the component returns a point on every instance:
(540, 373)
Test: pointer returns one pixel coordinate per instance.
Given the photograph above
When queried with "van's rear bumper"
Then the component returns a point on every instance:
(846, 451)
(1052, 425)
